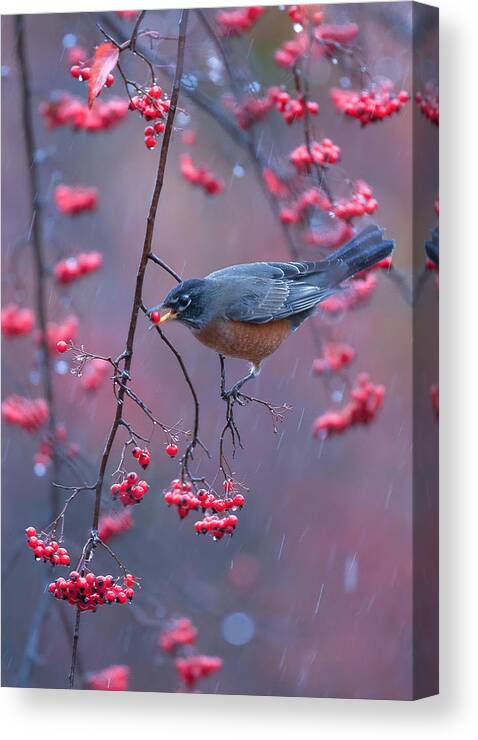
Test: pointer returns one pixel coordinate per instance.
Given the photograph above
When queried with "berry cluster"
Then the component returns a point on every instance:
(76, 55)
(195, 667)
(113, 678)
(274, 184)
(17, 321)
(47, 549)
(30, 414)
(181, 632)
(321, 152)
(45, 450)
(200, 176)
(66, 110)
(360, 203)
(296, 212)
(336, 356)
(111, 525)
(82, 72)
(71, 200)
(89, 591)
(70, 269)
(250, 110)
(94, 374)
(181, 496)
(429, 105)
(143, 456)
(153, 107)
(365, 401)
(369, 106)
(357, 291)
(298, 14)
(131, 490)
(330, 238)
(292, 108)
(216, 526)
(237, 22)
(61, 333)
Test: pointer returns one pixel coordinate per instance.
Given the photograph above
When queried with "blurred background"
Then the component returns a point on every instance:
(313, 594)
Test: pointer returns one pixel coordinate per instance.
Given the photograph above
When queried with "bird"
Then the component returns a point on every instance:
(246, 311)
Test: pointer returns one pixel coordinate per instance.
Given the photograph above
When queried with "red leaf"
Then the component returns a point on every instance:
(106, 57)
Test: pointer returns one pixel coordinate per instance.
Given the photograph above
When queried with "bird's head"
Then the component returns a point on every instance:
(186, 303)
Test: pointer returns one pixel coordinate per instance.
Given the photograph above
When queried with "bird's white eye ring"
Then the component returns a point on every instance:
(183, 302)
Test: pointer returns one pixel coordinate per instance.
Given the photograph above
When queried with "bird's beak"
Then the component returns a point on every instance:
(167, 316)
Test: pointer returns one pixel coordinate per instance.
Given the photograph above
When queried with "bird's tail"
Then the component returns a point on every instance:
(362, 252)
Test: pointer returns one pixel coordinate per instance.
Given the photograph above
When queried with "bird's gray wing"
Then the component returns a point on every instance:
(259, 300)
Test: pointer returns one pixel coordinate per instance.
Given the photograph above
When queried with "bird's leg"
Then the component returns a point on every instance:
(234, 391)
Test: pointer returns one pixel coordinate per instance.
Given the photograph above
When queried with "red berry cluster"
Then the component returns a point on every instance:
(113, 678)
(357, 291)
(369, 106)
(216, 526)
(321, 152)
(195, 667)
(70, 269)
(66, 110)
(359, 204)
(131, 490)
(250, 110)
(330, 238)
(111, 525)
(143, 456)
(292, 108)
(181, 632)
(274, 184)
(429, 105)
(94, 374)
(44, 453)
(296, 212)
(76, 55)
(127, 14)
(74, 200)
(200, 176)
(237, 22)
(153, 107)
(61, 334)
(365, 401)
(17, 321)
(28, 413)
(88, 592)
(336, 356)
(48, 549)
(181, 496)
(82, 72)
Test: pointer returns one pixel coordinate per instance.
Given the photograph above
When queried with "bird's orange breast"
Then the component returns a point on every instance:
(251, 342)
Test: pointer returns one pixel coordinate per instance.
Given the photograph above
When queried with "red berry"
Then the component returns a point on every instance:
(155, 317)
(149, 131)
(150, 142)
(61, 346)
(172, 449)
(110, 80)
(30, 531)
(75, 71)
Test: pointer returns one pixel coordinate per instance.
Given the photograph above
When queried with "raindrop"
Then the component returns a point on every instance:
(345, 82)
(189, 81)
(39, 469)
(69, 40)
(61, 367)
(238, 170)
(238, 628)
(298, 28)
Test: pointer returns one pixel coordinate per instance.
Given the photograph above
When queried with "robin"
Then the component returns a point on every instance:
(248, 310)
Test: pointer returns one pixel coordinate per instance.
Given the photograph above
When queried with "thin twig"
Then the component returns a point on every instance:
(137, 303)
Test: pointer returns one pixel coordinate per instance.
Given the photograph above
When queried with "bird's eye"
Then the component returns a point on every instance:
(183, 302)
